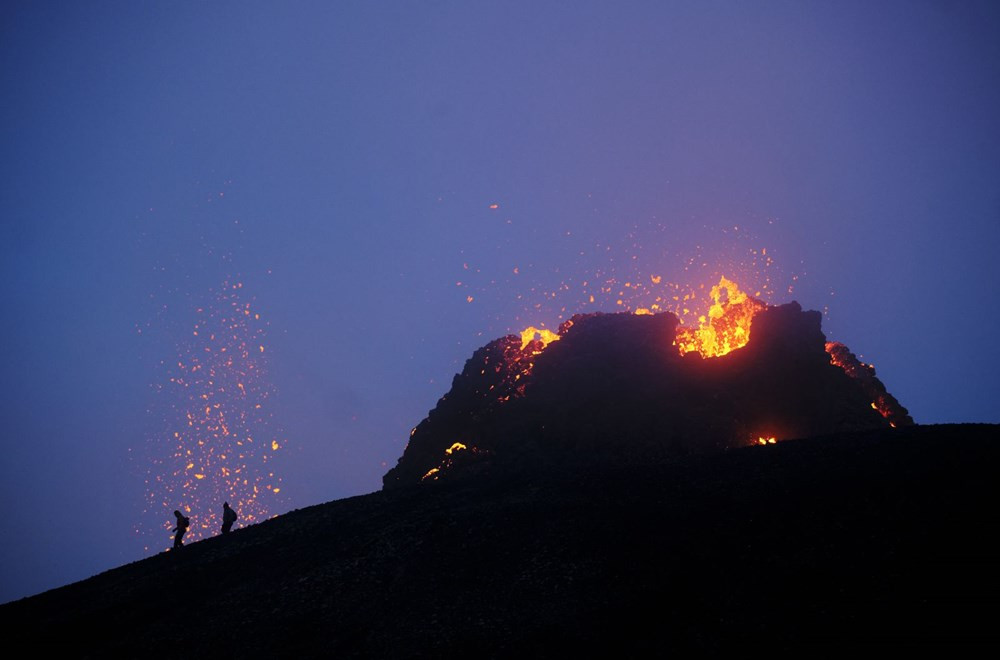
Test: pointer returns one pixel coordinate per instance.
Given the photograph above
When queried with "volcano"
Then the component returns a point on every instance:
(622, 506)
(628, 387)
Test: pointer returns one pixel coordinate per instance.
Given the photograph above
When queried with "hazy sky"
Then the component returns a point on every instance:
(396, 183)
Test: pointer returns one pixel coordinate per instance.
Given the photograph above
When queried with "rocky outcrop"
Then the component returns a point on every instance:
(616, 388)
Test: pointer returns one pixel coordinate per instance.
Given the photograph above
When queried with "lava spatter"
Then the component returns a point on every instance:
(218, 434)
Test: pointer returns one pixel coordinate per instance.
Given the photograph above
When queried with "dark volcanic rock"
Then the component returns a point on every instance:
(873, 388)
(868, 539)
(615, 387)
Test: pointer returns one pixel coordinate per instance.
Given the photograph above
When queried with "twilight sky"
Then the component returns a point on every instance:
(395, 183)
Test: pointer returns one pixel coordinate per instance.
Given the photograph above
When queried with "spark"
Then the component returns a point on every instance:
(212, 405)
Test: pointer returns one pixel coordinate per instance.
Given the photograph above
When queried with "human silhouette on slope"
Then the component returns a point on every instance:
(182, 526)
(228, 518)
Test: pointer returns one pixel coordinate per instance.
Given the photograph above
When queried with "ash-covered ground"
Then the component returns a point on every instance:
(878, 538)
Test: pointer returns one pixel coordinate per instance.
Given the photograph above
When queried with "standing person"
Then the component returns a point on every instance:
(182, 526)
(228, 518)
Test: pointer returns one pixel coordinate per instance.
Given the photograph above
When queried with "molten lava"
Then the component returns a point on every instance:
(885, 403)
(727, 326)
(452, 454)
(724, 328)
(533, 334)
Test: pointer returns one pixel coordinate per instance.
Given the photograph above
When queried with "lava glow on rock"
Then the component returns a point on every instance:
(746, 374)
(723, 328)
(532, 334)
(726, 326)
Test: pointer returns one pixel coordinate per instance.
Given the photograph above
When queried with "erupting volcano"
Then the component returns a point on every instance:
(618, 387)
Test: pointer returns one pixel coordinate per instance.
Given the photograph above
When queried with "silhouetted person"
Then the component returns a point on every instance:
(228, 518)
(182, 526)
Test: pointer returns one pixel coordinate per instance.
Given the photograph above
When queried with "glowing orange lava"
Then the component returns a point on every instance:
(724, 328)
(450, 454)
(727, 326)
(531, 334)
(884, 403)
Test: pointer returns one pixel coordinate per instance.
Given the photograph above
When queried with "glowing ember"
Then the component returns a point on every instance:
(220, 435)
(769, 440)
(882, 401)
(727, 326)
(450, 456)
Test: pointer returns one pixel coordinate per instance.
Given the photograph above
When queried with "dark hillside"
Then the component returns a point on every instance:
(617, 384)
(876, 538)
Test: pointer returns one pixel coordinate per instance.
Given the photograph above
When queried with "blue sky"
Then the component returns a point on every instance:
(341, 160)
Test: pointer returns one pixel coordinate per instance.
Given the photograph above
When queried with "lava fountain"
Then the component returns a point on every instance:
(218, 434)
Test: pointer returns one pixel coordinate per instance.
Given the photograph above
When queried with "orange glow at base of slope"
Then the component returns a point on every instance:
(450, 455)
(854, 368)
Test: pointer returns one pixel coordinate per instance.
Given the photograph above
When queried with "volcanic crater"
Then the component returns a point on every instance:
(627, 387)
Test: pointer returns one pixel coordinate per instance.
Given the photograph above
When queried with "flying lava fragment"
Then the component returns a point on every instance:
(218, 433)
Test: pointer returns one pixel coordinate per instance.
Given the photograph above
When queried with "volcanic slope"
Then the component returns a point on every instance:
(615, 387)
(866, 538)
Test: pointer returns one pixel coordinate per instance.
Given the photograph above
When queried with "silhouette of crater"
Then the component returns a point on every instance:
(615, 387)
